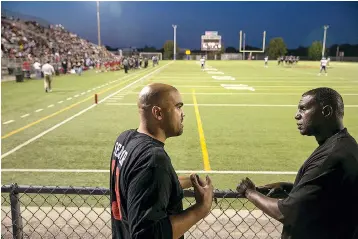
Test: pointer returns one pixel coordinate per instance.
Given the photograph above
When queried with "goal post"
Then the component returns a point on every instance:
(259, 51)
(149, 55)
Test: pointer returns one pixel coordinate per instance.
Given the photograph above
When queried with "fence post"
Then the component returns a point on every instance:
(17, 229)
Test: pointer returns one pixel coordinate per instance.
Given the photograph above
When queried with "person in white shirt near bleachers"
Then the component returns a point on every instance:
(48, 70)
(37, 67)
(266, 61)
(202, 62)
(323, 66)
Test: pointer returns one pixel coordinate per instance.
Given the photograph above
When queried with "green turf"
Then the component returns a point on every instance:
(238, 138)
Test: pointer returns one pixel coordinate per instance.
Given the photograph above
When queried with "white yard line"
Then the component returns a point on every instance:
(287, 78)
(256, 86)
(238, 79)
(50, 106)
(39, 110)
(243, 93)
(79, 113)
(178, 171)
(229, 105)
(9, 122)
(23, 116)
(60, 102)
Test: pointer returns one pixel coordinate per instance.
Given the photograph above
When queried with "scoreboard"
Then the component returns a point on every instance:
(211, 41)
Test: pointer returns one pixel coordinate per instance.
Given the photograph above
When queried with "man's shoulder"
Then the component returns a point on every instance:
(125, 134)
(344, 143)
(156, 157)
(340, 150)
(144, 143)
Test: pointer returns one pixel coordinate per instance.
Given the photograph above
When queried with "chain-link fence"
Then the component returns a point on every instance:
(82, 212)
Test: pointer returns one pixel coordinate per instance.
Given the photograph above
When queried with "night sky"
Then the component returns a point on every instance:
(135, 24)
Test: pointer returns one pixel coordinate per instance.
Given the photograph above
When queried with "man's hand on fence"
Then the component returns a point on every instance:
(244, 185)
(200, 180)
(279, 189)
(203, 192)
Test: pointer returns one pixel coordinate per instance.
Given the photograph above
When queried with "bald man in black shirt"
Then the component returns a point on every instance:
(323, 201)
(146, 193)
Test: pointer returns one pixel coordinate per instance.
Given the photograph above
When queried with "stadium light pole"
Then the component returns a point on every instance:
(98, 25)
(175, 41)
(324, 39)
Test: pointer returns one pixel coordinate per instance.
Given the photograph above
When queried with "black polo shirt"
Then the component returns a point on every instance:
(323, 201)
(145, 189)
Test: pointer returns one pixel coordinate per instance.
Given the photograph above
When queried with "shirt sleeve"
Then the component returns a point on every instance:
(148, 197)
(311, 195)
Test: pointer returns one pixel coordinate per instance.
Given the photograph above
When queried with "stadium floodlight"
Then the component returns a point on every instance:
(263, 43)
(325, 27)
(175, 41)
(98, 25)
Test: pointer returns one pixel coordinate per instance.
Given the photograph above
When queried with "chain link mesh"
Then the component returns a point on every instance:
(82, 212)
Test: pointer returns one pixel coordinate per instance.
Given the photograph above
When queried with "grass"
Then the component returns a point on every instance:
(244, 131)
(238, 138)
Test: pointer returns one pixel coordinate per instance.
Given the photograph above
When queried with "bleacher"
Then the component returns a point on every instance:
(26, 40)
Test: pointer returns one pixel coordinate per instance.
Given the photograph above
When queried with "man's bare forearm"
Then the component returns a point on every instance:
(182, 222)
(185, 182)
(266, 204)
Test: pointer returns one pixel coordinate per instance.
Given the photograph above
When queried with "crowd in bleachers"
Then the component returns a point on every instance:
(27, 42)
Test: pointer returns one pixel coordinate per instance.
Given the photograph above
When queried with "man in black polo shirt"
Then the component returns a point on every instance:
(324, 197)
(146, 193)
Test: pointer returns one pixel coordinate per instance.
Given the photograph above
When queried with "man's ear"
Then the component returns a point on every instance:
(327, 111)
(157, 112)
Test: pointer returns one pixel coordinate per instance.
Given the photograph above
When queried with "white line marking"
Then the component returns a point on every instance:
(178, 171)
(243, 80)
(261, 78)
(223, 78)
(69, 98)
(230, 105)
(9, 122)
(79, 113)
(23, 116)
(244, 93)
(60, 102)
(237, 87)
(77, 95)
(50, 106)
(39, 110)
(256, 86)
(83, 93)
(88, 91)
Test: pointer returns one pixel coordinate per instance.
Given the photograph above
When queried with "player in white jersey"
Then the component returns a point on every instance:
(323, 66)
(266, 61)
(202, 62)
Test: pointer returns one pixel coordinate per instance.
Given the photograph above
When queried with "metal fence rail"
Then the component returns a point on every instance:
(83, 212)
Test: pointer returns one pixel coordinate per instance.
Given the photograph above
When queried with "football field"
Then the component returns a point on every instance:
(239, 121)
